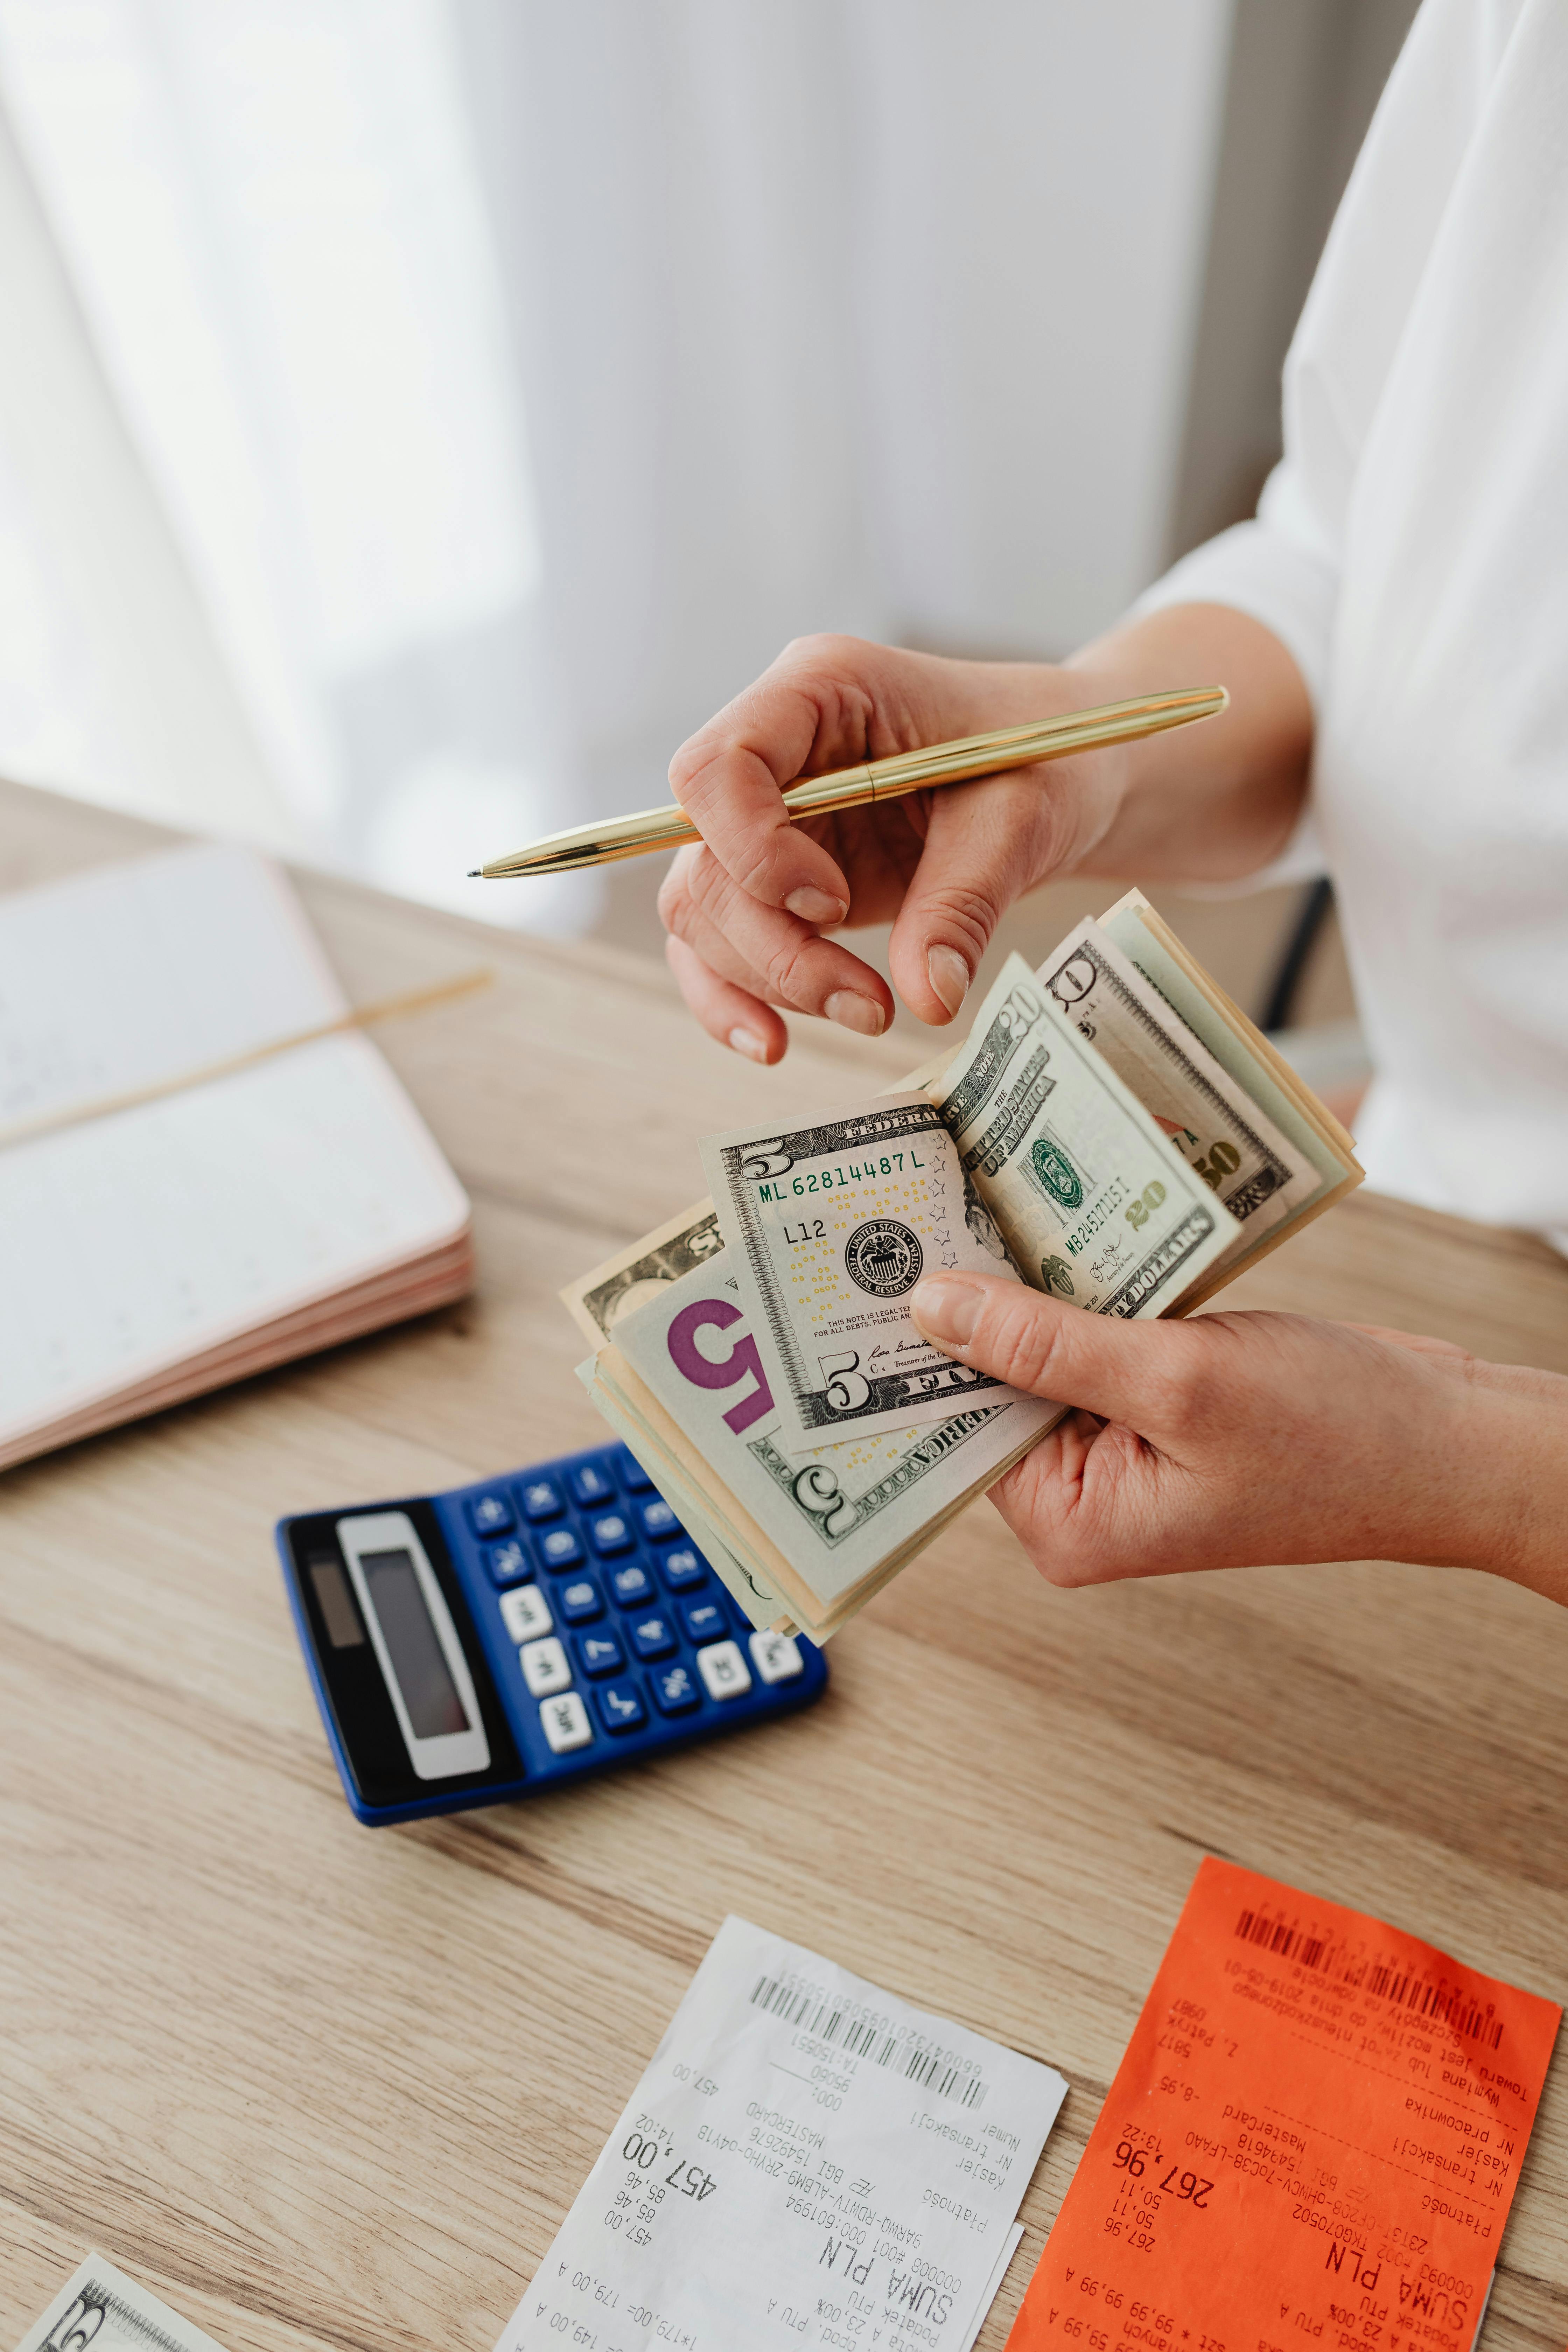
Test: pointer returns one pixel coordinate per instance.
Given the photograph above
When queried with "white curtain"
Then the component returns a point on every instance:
(504, 380)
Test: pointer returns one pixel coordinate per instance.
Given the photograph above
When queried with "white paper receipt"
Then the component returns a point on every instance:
(806, 2161)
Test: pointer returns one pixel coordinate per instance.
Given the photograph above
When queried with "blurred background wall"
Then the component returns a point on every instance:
(416, 415)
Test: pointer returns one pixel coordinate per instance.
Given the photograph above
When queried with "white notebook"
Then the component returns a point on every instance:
(157, 1251)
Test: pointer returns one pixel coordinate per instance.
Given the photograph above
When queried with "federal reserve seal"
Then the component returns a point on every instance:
(1055, 1174)
(883, 1258)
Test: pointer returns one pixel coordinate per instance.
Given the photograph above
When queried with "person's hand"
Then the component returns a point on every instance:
(746, 910)
(1240, 1439)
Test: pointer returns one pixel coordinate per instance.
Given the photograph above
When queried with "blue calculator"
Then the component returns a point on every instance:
(502, 1639)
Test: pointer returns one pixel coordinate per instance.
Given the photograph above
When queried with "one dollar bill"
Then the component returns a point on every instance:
(101, 2310)
(635, 1276)
(1091, 1199)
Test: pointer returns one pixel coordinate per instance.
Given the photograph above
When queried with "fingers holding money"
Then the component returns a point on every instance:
(1100, 1496)
(1142, 1372)
(1136, 1481)
(1224, 1441)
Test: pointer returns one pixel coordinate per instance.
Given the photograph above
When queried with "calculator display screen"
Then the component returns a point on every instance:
(430, 1694)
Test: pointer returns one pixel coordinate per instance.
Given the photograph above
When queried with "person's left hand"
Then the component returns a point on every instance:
(1238, 1440)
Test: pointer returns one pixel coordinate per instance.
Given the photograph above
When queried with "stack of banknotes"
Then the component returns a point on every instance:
(1113, 1130)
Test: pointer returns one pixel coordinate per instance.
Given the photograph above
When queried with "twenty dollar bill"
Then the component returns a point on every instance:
(1091, 1199)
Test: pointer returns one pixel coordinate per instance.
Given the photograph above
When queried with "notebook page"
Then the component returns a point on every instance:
(133, 1241)
(116, 978)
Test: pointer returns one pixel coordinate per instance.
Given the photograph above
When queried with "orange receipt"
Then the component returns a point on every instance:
(1313, 2139)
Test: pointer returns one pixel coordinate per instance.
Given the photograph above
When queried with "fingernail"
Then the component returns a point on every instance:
(946, 1310)
(815, 905)
(747, 1042)
(861, 1013)
(948, 975)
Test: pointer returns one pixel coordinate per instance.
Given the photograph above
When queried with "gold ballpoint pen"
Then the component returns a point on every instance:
(874, 780)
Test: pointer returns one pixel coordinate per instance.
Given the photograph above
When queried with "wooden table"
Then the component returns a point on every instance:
(325, 2086)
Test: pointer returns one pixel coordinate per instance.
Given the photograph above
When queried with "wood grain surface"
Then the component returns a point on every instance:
(325, 2086)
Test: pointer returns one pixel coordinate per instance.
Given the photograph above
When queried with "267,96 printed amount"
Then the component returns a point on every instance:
(1132, 2216)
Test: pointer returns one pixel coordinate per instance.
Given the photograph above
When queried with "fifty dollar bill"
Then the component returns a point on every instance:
(1222, 1135)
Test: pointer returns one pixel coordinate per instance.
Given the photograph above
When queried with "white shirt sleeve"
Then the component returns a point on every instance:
(1284, 567)
(1274, 569)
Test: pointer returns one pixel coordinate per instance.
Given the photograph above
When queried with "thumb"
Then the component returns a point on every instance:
(1139, 1373)
(987, 843)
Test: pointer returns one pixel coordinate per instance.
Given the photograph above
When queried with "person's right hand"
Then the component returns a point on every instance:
(746, 910)
(1237, 1440)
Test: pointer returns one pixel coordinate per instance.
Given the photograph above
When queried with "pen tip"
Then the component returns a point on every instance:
(476, 874)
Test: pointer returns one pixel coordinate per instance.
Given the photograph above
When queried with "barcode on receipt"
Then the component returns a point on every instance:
(862, 2036)
(1437, 2004)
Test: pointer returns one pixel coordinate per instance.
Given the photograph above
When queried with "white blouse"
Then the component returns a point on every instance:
(1412, 552)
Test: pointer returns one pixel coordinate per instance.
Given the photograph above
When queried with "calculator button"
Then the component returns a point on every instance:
(652, 1637)
(682, 1570)
(659, 1521)
(559, 1548)
(620, 1707)
(490, 1514)
(610, 1535)
(674, 1692)
(506, 1563)
(600, 1653)
(776, 1658)
(634, 1477)
(723, 1671)
(580, 1601)
(565, 1723)
(704, 1621)
(541, 1499)
(525, 1614)
(589, 1485)
(631, 1585)
(545, 1667)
